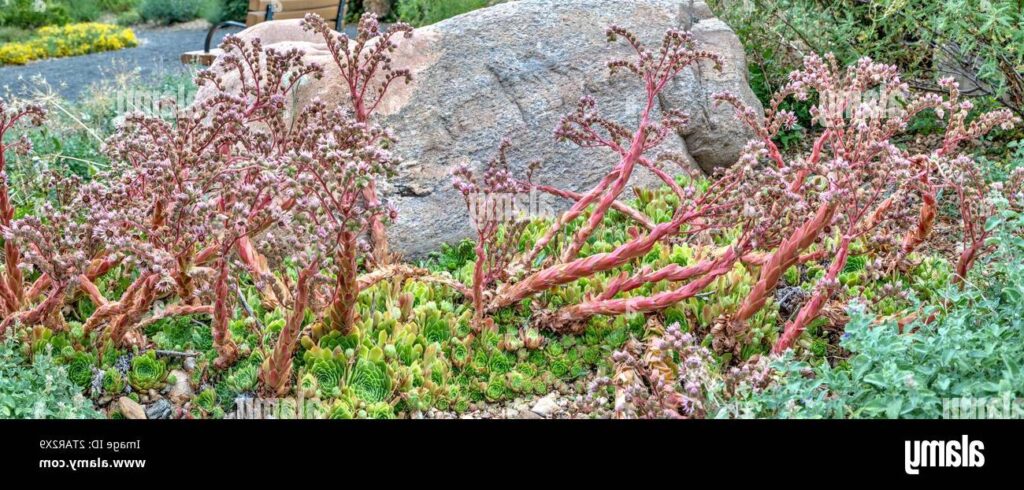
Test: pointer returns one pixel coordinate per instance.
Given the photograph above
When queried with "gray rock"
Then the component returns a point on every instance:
(160, 409)
(130, 409)
(512, 71)
(546, 406)
(529, 415)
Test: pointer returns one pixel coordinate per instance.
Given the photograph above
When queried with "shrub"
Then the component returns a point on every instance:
(979, 40)
(68, 40)
(26, 14)
(172, 11)
(221, 10)
(425, 12)
(866, 185)
(38, 389)
(973, 347)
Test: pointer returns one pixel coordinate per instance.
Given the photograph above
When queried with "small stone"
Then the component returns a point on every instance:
(180, 392)
(190, 364)
(130, 409)
(546, 405)
(529, 415)
(161, 409)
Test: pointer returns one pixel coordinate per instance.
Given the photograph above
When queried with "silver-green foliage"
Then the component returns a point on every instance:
(973, 349)
(39, 389)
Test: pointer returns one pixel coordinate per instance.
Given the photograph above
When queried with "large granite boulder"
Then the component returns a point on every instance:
(511, 71)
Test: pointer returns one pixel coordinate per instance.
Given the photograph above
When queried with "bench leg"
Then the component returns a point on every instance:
(213, 29)
(339, 23)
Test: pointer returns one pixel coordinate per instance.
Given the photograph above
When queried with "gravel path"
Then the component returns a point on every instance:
(157, 55)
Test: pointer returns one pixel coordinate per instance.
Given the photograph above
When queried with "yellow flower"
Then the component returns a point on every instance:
(67, 40)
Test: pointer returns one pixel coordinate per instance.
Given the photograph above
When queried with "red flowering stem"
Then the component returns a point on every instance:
(90, 289)
(277, 369)
(756, 259)
(98, 268)
(379, 236)
(227, 351)
(619, 206)
(111, 310)
(370, 279)
(926, 218)
(801, 175)
(811, 310)
(139, 302)
(342, 312)
(966, 260)
(565, 218)
(13, 291)
(53, 301)
(584, 267)
(572, 317)
(782, 259)
(173, 311)
(629, 161)
(671, 272)
(478, 282)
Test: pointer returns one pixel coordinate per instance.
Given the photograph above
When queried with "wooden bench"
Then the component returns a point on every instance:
(267, 10)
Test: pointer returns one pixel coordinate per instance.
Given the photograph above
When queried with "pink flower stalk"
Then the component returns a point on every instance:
(863, 183)
(588, 129)
(958, 131)
(12, 280)
(572, 317)
(365, 66)
(698, 212)
(62, 248)
(490, 201)
(276, 371)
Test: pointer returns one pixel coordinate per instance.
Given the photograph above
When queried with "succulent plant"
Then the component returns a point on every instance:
(495, 389)
(499, 363)
(80, 368)
(559, 368)
(555, 349)
(380, 411)
(518, 382)
(308, 385)
(419, 399)
(341, 410)
(206, 400)
(113, 381)
(855, 263)
(480, 362)
(147, 372)
(532, 339)
(460, 355)
(243, 378)
(370, 381)
(433, 326)
(328, 374)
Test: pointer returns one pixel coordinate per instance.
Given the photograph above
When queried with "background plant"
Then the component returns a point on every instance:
(37, 387)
